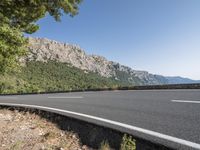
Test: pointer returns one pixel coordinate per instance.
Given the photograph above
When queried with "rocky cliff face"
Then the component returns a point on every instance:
(42, 49)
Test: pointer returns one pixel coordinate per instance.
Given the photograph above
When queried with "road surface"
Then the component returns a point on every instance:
(169, 117)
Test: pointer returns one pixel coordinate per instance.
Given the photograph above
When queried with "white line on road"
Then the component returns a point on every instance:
(185, 101)
(73, 97)
(134, 128)
(8, 97)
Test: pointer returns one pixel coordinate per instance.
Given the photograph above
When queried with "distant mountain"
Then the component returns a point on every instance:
(180, 80)
(44, 50)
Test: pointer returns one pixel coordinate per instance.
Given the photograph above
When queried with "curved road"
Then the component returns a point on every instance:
(169, 117)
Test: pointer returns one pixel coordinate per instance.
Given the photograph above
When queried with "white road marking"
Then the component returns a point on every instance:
(88, 92)
(134, 128)
(186, 101)
(73, 97)
(8, 97)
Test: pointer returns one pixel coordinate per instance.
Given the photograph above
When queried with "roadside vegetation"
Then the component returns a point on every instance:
(127, 143)
(51, 77)
(19, 17)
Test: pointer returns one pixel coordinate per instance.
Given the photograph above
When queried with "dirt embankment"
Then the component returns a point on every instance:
(21, 130)
(26, 128)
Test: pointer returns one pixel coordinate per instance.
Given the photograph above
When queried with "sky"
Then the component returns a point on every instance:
(159, 36)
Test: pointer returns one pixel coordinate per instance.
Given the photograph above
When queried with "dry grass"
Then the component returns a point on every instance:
(24, 130)
(105, 146)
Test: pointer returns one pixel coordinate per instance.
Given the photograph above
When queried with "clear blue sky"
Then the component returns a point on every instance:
(160, 36)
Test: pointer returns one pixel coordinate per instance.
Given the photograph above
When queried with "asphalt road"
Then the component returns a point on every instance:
(150, 114)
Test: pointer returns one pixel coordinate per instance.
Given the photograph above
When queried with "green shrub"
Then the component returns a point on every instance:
(128, 143)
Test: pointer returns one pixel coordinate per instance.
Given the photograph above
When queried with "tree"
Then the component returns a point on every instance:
(20, 16)
(12, 47)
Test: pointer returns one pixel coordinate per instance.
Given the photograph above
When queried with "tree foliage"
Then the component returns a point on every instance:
(12, 46)
(51, 77)
(20, 16)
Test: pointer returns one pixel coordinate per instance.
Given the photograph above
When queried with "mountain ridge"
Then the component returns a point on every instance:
(44, 50)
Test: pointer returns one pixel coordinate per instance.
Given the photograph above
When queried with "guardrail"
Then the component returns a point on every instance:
(145, 87)
(166, 86)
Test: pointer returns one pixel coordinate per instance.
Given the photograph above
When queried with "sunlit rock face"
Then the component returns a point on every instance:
(42, 49)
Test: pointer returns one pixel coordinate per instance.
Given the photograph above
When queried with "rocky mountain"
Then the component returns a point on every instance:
(180, 80)
(44, 50)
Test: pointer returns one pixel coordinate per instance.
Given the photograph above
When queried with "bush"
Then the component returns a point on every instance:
(128, 143)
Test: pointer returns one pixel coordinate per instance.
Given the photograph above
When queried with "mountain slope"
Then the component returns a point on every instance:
(44, 50)
(180, 80)
(52, 66)
(50, 77)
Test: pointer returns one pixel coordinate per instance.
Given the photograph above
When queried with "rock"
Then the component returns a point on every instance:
(84, 147)
(42, 49)
(41, 132)
(6, 117)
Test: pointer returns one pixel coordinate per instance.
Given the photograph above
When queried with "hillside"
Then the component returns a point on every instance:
(50, 77)
(180, 80)
(54, 66)
(42, 49)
